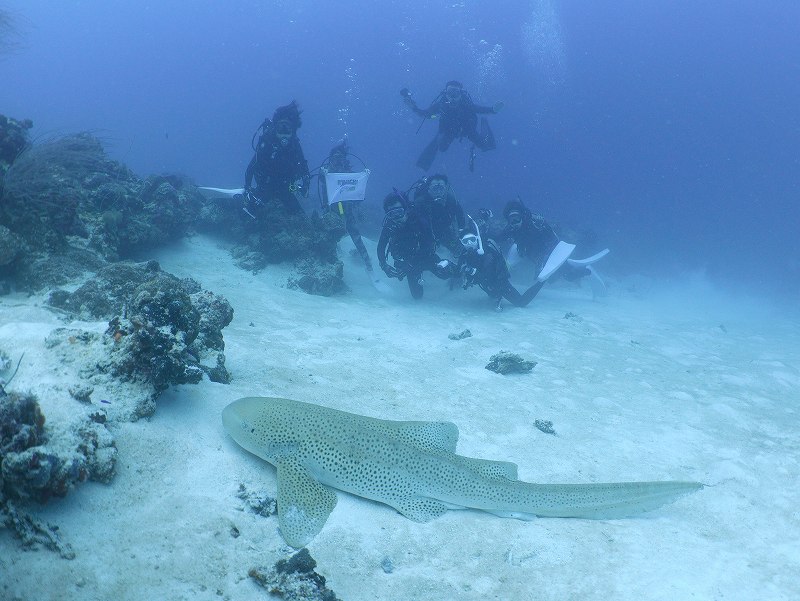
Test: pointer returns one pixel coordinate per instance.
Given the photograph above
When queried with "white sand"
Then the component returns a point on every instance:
(645, 385)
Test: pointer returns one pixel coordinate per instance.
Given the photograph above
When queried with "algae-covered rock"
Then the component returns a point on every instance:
(65, 194)
(38, 465)
(322, 279)
(162, 330)
(509, 363)
(294, 579)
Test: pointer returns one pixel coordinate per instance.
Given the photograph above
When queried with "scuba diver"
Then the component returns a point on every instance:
(482, 263)
(408, 239)
(458, 118)
(278, 166)
(338, 162)
(436, 201)
(536, 240)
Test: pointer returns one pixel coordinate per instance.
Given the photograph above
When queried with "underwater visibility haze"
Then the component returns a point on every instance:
(671, 130)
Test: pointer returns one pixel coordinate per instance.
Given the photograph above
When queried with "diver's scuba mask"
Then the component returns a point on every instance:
(470, 242)
(283, 131)
(396, 214)
(437, 189)
(514, 219)
(453, 93)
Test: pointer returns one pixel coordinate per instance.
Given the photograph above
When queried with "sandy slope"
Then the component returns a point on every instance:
(644, 385)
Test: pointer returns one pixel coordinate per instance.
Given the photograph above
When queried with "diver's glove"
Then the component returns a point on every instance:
(498, 106)
(468, 274)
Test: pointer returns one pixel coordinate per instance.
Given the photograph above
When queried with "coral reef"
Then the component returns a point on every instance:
(13, 137)
(68, 209)
(69, 187)
(162, 330)
(509, 363)
(32, 467)
(72, 205)
(11, 246)
(294, 579)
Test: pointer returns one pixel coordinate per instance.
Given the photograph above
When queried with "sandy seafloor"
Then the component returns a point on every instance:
(656, 381)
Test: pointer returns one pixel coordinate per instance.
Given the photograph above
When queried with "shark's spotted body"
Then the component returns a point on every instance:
(411, 466)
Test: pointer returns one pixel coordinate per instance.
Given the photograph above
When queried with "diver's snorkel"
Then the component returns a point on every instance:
(478, 233)
(261, 128)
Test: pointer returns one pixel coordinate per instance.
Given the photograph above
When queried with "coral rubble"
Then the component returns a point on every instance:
(294, 579)
(509, 363)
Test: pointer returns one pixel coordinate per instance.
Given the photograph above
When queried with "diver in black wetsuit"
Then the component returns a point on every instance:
(435, 200)
(338, 162)
(278, 163)
(482, 263)
(407, 238)
(534, 239)
(458, 118)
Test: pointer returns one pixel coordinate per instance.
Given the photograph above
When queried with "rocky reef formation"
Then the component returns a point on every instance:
(162, 331)
(265, 234)
(67, 209)
(65, 200)
(13, 139)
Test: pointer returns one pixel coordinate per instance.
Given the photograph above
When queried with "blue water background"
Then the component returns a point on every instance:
(670, 129)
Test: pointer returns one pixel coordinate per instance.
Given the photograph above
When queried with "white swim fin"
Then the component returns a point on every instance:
(219, 193)
(589, 260)
(557, 258)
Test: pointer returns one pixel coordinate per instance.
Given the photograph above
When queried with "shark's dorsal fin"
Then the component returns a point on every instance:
(425, 436)
(498, 470)
(303, 503)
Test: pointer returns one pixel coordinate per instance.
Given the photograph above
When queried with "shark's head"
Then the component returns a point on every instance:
(258, 425)
(244, 422)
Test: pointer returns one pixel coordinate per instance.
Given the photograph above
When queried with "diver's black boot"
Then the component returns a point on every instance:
(530, 293)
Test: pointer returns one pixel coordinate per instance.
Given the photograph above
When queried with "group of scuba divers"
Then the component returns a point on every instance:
(426, 218)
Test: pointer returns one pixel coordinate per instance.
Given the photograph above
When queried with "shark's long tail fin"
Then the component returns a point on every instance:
(602, 501)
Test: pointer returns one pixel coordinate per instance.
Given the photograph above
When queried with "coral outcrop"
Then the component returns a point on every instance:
(35, 467)
(162, 330)
(509, 363)
(265, 234)
(13, 139)
(294, 579)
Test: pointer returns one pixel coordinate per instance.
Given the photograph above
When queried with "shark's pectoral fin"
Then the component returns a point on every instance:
(303, 503)
(420, 509)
